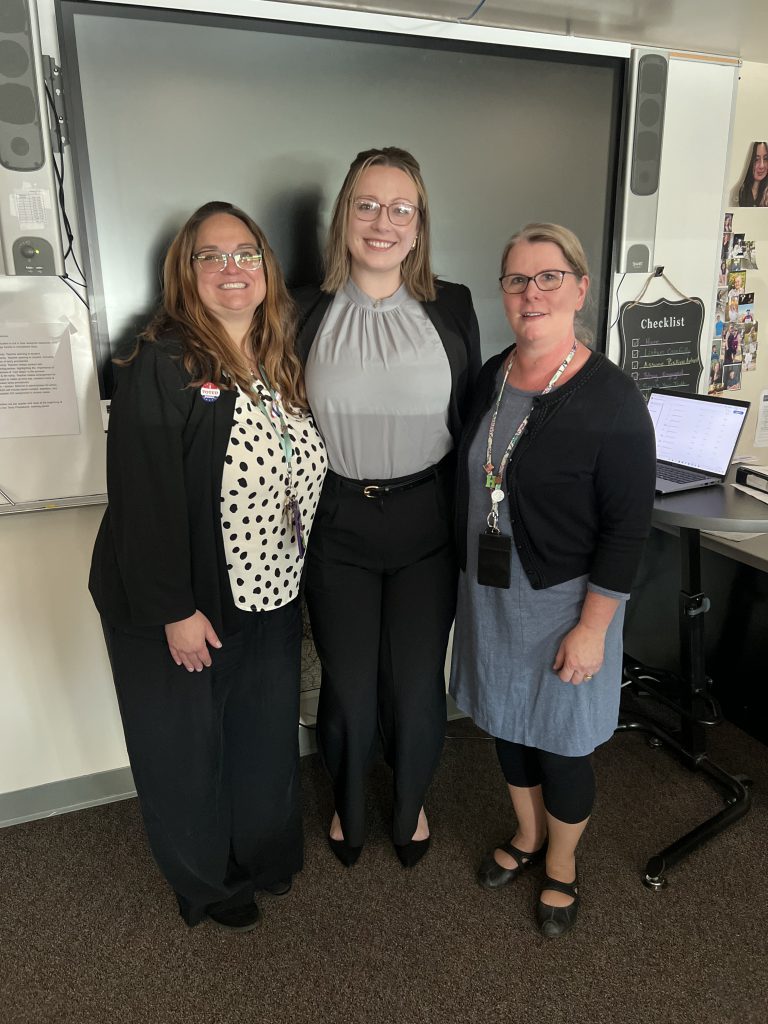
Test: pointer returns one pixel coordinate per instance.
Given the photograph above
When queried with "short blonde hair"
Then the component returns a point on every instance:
(563, 238)
(569, 246)
(415, 268)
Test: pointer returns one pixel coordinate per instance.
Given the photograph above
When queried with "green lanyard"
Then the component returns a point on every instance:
(271, 406)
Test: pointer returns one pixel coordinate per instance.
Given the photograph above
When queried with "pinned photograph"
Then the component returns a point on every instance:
(732, 377)
(732, 348)
(715, 378)
(753, 189)
(749, 260)
(736, 283)
(749, 347)
(746, 301)
(728, 222)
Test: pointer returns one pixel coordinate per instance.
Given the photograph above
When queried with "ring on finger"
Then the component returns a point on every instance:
(588, 675)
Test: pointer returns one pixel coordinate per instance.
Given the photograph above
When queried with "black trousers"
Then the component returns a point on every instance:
(381, 592)
(215, 758)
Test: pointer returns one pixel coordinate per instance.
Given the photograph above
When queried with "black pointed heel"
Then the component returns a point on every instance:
(409, 854)
(342, 851)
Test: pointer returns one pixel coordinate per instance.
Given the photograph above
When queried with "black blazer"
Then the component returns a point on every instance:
(453, 316)
(159, 553)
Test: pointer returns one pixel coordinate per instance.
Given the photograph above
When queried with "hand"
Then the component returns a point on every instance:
(580, 654)
(188, 641)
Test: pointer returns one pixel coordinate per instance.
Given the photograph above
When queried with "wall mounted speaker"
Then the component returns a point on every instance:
(642, 163)
(30, 236)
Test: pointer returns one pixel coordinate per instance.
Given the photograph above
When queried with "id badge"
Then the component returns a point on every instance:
(494, 557)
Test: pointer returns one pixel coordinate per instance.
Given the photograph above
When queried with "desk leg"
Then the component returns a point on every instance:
(692, 605)
(734, 789)
(694, 710)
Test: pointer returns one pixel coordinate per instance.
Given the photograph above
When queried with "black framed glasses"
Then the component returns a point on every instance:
(400, 212)
(213, 262)
(546, 281)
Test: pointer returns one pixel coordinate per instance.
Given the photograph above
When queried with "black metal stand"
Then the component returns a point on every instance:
(688, 697)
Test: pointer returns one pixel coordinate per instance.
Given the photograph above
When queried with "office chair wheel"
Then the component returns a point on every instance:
(653, 741)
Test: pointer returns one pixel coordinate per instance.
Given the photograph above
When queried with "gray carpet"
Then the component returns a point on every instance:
(90, 934)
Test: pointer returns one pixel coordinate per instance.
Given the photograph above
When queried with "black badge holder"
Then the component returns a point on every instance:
(494, 557)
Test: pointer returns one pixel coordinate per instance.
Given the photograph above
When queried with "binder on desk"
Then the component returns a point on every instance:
(757, 479)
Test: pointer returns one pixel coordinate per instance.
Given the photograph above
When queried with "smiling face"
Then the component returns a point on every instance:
(232, 295)
(536, 316)
(378, 247)
(760, 163)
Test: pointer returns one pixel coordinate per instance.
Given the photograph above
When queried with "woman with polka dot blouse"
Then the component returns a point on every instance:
(214, 470)
(390, 353)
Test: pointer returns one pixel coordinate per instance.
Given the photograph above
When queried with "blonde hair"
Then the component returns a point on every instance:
(569, 246)
(208, 353)
(416, 269)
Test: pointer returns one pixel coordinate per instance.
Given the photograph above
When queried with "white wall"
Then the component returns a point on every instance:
(750, 124)
(59, 717)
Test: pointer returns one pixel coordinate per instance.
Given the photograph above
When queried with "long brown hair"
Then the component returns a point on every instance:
(208, 354)
(415, 268)
(745, 191)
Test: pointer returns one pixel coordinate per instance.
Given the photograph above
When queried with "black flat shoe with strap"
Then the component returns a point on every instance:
(556, 921)
(491, 875)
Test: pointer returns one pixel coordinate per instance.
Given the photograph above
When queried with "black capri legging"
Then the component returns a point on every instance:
(567, 783)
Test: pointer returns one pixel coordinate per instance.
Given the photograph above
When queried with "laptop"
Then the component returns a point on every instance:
(696, 436)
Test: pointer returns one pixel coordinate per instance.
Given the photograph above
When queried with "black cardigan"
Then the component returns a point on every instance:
(580, 482)
(159, 553)
(453, 316)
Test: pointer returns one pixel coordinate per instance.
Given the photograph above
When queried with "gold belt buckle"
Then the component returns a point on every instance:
(371, 491)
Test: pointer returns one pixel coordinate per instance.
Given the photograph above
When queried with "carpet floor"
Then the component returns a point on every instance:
(89, 932)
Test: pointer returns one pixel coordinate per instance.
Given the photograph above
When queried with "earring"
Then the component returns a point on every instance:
(413, 243)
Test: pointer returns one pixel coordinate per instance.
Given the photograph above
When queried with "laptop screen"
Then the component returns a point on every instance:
(696, 431)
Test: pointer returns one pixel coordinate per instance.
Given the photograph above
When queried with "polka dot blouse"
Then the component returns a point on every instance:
(262, 554)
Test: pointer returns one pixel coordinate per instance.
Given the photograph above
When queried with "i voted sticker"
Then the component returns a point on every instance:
(210, 392)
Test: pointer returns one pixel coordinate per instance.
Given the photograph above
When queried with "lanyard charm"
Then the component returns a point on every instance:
(292, 513)
(492, 480)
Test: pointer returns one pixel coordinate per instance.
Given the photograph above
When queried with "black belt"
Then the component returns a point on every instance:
(378, 489)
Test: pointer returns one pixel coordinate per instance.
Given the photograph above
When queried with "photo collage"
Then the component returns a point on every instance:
(734, 345)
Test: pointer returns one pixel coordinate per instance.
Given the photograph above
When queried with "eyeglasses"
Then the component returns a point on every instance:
(546, 281)
(399, 213)
(215, 262)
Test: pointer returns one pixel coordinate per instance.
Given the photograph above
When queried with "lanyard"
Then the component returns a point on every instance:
(271, 406)
(493, 480)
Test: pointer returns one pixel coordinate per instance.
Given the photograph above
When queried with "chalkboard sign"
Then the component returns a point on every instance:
(661, 344)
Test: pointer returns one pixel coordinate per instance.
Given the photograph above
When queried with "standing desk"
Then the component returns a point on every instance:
(688, 695)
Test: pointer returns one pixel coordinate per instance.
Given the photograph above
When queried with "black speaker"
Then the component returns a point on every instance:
(642, 163)
(29, 219)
